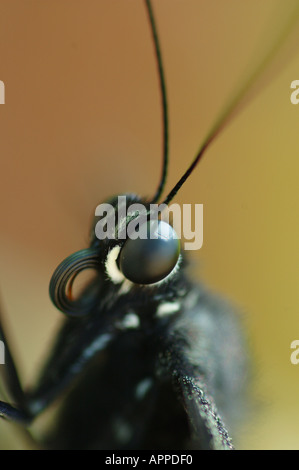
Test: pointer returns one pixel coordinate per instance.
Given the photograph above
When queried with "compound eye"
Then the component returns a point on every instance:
(151, 259)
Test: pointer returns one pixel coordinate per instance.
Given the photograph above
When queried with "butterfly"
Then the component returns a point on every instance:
(156, 364)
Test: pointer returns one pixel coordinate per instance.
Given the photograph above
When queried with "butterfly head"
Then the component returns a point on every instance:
(132, 250)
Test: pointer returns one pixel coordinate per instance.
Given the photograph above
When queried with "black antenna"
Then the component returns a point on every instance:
(164, 102)
(228, 111)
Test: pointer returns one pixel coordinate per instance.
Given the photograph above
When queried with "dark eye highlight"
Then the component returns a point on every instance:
(151, 259)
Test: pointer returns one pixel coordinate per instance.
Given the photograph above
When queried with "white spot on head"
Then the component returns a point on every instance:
(167, 308)
(131, 320)
(126, 286)
(143, 387)
(112, 270)
(114, 274)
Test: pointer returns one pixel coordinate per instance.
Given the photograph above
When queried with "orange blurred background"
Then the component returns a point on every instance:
(82, 121)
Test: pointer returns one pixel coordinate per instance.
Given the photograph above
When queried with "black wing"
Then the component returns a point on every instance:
(208, 429)
(203, 353)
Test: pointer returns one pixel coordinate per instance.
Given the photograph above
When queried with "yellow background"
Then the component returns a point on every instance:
(82, 122)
